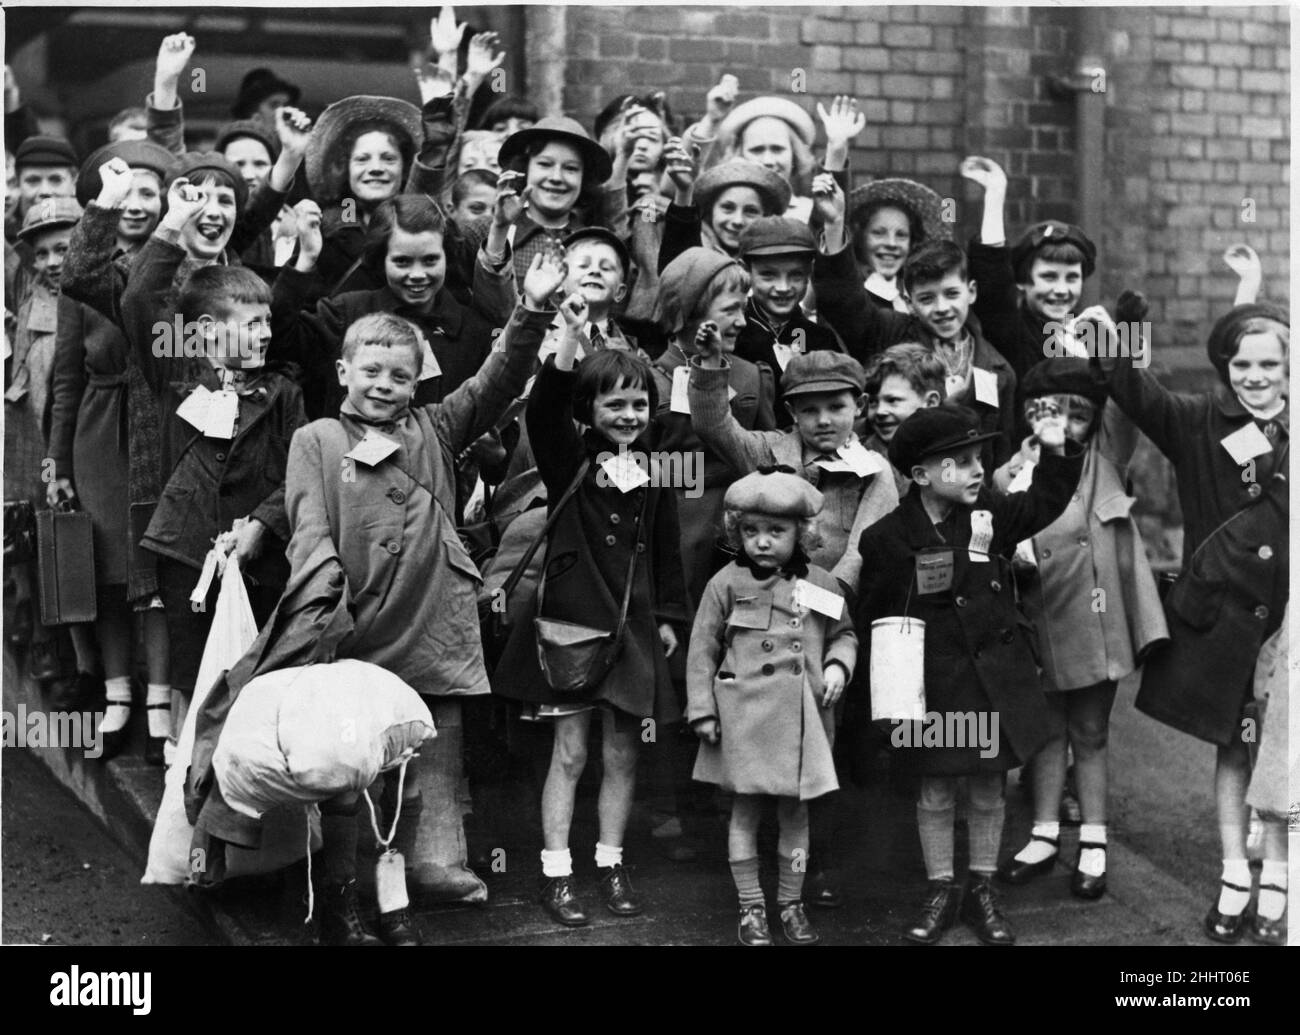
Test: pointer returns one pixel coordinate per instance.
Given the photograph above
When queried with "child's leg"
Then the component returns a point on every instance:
(742, 848)
(1272, 878)
(1048, 768)
(568, 759)
(1231, 777)
(157, 662)
(617, 786)
(936, 809)
(1089, 724)
(113, 628)
(792, 849)
(83, 643)
(987, 814)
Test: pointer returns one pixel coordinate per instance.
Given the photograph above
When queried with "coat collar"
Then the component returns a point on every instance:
(1227, 403)
(447, 315)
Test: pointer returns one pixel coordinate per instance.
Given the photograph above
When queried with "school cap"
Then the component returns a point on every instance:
(945, 428)
(1227, 331)
(258, 85)
(775, 493)
(47, 214)
(45, 150)
(192, 163)
(1051, 231)
(683, 282)
(1066, 375)
(776, 235)
(599, 233)
(772, 188)
(771, 107)
(138, 154)
(823, 370)
(596, 163)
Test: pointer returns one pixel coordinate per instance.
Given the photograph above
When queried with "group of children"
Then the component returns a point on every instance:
(532, 326)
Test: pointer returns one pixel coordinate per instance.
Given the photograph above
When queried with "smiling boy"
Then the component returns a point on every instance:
(903, 379)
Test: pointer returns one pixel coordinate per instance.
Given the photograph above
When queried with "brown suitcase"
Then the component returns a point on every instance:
(65, 556)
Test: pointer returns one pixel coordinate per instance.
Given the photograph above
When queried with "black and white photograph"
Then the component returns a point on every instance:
(651, 475)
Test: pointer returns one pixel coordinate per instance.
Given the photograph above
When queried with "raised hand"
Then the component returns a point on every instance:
(13, 99)
(293, 127)
(1132, 306)
(828, 198)
(509, 203)
(984, 171)
(433, 81)
(1050, 432)
(184, 202)
(115, 179)
(544, 277)
(844, 121)
(708, 343)
(720, 100)
(485, 54)
(680, 163)
(59, 490)
(174, 55)
(574, 311)
(310, 241)
(1242, 260)
(444, 33)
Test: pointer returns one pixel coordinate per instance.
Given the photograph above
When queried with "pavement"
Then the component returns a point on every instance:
(1159, 889)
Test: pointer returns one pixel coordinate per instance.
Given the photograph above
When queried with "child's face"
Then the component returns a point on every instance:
(779, 283)
(239, 335)
(511, 125)
(142, 208)
(251, 158)
(952, 477)
(375, 168)
(50, 248)
(734, 209)
(595, 273)
(415, 267)
(1258, 372)
(768, 541)
(943, 305)
(766, 141)
(480, 151)
(825, 419)
(728, 312)
(38, 182)
(886, 241)
(11, 185)
(380, 379)
(896, 401)
(622, 414)
(1053, 289)
(650, 137)
(478, 202)
(208, 232)
(555, 175)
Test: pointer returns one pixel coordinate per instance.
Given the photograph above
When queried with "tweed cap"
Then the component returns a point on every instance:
(774, 493)
(776, 235)
(47, 214)
(823, 370)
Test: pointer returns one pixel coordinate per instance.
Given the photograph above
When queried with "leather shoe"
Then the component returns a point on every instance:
(1013, 871)
(820, 891)
(620, 899)
(155, 750)
(937, 913)
(795, 925)
(340, 923)
(397, 928)
(1227, 927)
(1268, 932)
(559, 900)
(1084, 885)
(113, 744)
(980, 910)
(752, 929)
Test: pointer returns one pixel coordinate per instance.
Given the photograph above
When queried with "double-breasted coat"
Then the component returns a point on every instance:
(979, 654)
(757, 665)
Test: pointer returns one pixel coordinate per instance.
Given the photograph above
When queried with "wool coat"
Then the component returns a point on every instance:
(1233, 590)
(757, 665)
(979, 652)
(28, 378)
(758, 339)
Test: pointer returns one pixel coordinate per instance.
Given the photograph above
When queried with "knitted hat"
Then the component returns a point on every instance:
(772, 188)
(822, 370)
(47, 214)
(1066, 375)
(683, 282)
(138, 154)
(774, 493)
(596, 163)
(327, 169)
(923, 206)
(1051, 231)
(248, 128)
(934, 430)
(257, 86)
(191, 163)
(45, 150)
(1225, 336)
(733, 126)
(599, 233)
(776, 235)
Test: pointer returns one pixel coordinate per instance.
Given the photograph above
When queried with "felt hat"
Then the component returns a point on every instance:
(327, 170)
(599, 233)
(822, 370)
(1051, 231)
(191, 163)
(1222, 344)
(248, 128)
(258, 85)
(935, 430)
(772, 188)
(774, 493)
(923, 206)
(799, 121)
(683, 282)
(596, 163)
(1066, 375)
(45, 150)
(47, 214)
(138, 154)
(777, 235)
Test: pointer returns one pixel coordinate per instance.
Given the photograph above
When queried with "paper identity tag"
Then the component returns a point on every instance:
(986, 386)
(855, 458)
(808, 597)
(981, 535)
(223, 409)
(680, 401)
(783, 354)
(373, 448)
(934, 571)
(428, 361)
(194, 410)
(390, 882)
(623, 470)
(1246, 443)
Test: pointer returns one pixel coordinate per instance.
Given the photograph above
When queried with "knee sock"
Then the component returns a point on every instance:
(1272, 904)
(1037, 851)
(338, 846)
(607, 856)
(158, 709)
(558, 863)
(985, 824)
(745, 874)
(1092, 861)
(792, 850)
(118, 690)
(1232, 901)
(935, 826)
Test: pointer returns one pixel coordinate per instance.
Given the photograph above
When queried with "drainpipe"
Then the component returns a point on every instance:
(546, 29)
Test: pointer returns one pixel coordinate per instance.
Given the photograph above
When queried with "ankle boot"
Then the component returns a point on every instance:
(980, 910)
(937, 912)
(340, 923)
(399, 928)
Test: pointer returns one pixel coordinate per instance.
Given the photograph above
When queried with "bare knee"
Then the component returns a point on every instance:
(619, 753)
(1089, 734)
(569, 754)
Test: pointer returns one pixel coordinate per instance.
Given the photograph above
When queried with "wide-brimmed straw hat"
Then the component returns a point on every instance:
(799, 121)
(923, 206)
(327, 170)
(741, 172)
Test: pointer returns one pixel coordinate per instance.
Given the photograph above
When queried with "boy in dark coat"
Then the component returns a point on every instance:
(943, 557)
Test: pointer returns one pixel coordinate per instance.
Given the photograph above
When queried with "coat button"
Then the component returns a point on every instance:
(797, 668)
(393, 546)
(397, 496)
(960, 601)
(767, 670)
(1007, 635)
(640, 547)
(1046, 554)
(996, 586)
(796, 646)
(1254, 490)
(1261, 612)
(767, 645)
(795, 622)
(614, 519)
(610, 540)
(221, 457)
(1266, 553)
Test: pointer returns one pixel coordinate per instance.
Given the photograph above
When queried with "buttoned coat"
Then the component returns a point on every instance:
(979, 652)
(757, 665)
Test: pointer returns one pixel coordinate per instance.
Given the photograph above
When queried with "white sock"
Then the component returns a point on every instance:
(557, 864)
(1092, 861)
(1037, 851)
(1232, 901)
(607, 856)
(158, 705)
(119, 704)
(1272, 904)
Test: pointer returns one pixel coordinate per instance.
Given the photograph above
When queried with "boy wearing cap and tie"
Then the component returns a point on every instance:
(943, 557)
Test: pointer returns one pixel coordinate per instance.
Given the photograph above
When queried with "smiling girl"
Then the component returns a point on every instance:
(888, 220)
